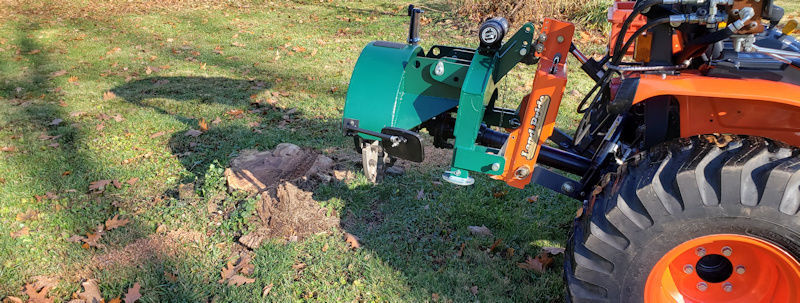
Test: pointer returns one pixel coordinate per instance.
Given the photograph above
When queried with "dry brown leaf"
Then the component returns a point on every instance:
(99, 185)
(115, 222)
(28, 215)
(533, 199)
(233, 267)
(267, 289)
(500, 194)
(115, 300)
(553, 250)
(325, 247)
(461, 250)
(203, 125)
(299, 266)
(132, 181)
(237, 280)
(474, 290)
(73, 79)
(91, 239)
(36, 293)
(133, 293)
(170, 277)
(193, 133)
(352, 240)
(532, 264)
(11, 299)
(158, 134)
(22, 232)
(8, 149)
(91, 292)
(108, 95)
(76, 239)
(235, 112)
(116, 183)
(58, 73)
(495, 244)
(216, 121)
(480, 230)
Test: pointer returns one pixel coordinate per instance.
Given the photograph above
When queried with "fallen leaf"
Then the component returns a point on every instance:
(91, 239)
(22, 232)
(193, 133)
(299, 266)
(240, 280)
(495, 244)
(73, 79)
(116, 183)
(266, 290)
(114, 300)
(231, 269)
(435, 297)
(553, 250)
(156, 135)
(421, 194)
(132, 181)
(170, 277)
(28, 215)
(8, 149)
(36, 293)
(480, 230)
(53, 145)
(216, 121)
(325, 247)
(474, 290)
(133, 293)
(56, 121)
(203, 125)
(500, 194)
(58, 73)
(108, 95)
(533, 199)
(461, 250)
(76, 239)
(99, 185)
(352, 240)
(538, 264)
(115, 222)
(91, 292)
(11, 299)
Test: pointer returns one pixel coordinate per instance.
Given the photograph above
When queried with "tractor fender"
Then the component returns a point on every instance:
(709, 105)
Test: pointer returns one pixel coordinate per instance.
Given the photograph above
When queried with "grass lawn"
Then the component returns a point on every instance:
(107, 91)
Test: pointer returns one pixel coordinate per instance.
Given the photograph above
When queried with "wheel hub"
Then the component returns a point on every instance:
(724, 268)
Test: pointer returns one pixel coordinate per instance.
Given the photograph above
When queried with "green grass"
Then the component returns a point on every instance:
(174, 67)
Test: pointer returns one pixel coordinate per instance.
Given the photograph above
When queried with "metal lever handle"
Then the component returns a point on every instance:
(413, 27)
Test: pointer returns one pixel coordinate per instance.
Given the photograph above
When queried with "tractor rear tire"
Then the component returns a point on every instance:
(653, 227)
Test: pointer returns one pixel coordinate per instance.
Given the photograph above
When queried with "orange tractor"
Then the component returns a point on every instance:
(687, 158)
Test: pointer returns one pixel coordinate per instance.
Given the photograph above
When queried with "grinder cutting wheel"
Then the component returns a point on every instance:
(687, 156)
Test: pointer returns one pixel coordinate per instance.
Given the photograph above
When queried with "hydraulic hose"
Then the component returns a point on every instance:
(637, 10)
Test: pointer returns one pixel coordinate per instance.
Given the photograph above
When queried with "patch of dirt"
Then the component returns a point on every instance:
(154, 247)
(287, 212)
(255, 171)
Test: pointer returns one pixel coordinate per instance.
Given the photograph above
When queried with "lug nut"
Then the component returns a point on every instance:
(740, 269)
(688, 269)
(727, 287)
(727, 251)
(700, 252)
(702, 286)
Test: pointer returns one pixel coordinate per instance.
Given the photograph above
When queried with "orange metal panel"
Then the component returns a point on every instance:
(731, 106)
(523, 144)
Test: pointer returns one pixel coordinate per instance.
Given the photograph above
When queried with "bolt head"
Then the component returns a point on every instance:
(727, 251)
(560, 39)
(523, 51)
(700, 252)
(496, 166)
(702, 286)
(740, 269)
(688, 269)
(727, 287)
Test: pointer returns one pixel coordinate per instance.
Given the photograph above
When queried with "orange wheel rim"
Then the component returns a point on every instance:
(724, 268)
